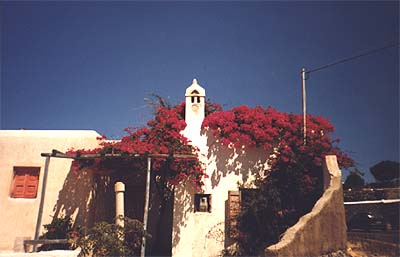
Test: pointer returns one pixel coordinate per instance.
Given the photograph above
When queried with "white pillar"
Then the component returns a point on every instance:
(119, 189)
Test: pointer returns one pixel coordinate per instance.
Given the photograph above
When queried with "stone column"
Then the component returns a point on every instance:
(119, 189)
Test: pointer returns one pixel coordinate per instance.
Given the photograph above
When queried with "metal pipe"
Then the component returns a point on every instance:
(384, 201)
(146, 207)
(41, 204)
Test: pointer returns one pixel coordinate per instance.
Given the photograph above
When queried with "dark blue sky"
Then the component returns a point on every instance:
(89, 65)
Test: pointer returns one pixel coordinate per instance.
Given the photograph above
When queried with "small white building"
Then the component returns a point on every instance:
(200, 219)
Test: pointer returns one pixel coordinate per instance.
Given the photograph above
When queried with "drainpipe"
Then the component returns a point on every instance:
(41, 205)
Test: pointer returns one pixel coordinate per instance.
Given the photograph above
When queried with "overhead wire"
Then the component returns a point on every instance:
(353, 57)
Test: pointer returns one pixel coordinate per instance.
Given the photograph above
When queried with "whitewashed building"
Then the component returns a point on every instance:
(199, 226)
(34, 189)
(201, 219)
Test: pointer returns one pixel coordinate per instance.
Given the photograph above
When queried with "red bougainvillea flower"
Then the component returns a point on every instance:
(241, 126)
(161, 136)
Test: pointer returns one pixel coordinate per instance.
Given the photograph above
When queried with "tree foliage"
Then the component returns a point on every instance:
(354, 180)
(290, 186)
(386, 171)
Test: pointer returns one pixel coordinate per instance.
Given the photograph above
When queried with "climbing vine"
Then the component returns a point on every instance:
(277, 132)
(161, 136)
(289, 188)
(293, 182)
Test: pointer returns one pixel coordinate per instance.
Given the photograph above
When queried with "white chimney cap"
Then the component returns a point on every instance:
(195, 89)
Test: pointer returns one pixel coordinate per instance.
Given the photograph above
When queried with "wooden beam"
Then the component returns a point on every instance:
(47, 241)
(58, 154)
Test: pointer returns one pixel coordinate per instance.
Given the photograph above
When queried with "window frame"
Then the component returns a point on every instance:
(197, 199)
(27, 178)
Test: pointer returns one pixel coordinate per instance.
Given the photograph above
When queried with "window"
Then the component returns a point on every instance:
(195, 96)
(197, 99)
(202, 202)
(25, 182)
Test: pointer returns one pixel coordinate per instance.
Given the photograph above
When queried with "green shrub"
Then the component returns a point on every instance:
(59, 228)
(108, 239)
(103, 239)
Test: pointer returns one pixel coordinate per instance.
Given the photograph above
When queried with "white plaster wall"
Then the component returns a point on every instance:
(203, 234)
(23, 148)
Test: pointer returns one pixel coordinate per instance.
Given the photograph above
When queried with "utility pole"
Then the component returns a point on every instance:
(303, 85)
(304, 73)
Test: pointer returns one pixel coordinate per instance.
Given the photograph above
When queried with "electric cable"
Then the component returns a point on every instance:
(353, 57)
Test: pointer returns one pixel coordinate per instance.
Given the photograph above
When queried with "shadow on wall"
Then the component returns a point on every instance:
(242, 162)
(226, 166)
(185, 197)
(89, 197)
(86, 197)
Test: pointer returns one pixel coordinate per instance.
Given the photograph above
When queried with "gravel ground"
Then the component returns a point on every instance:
(337, 254)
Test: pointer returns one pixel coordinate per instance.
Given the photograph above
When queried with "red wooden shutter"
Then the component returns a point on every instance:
(233, 212)
(26, 181)
(31, 185)
(19, 186)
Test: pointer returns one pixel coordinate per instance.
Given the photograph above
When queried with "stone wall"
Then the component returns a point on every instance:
(323, 230)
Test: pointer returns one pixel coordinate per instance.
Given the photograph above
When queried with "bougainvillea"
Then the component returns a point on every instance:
(277, 132)
(293, 183)
(161, 136)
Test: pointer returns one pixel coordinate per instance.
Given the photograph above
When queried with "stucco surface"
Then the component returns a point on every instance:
(203, 233)
(323, 230)
(23, 148)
